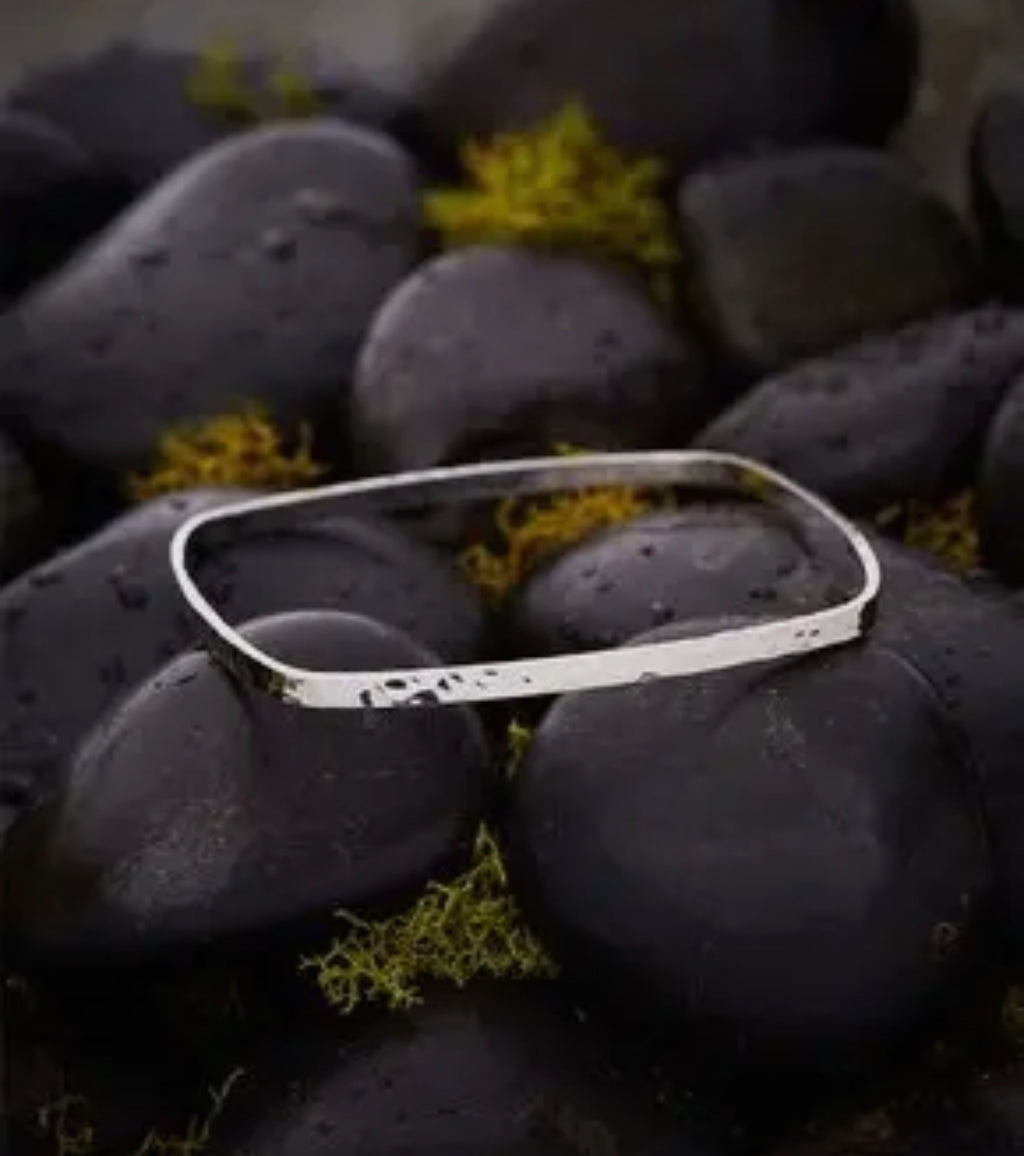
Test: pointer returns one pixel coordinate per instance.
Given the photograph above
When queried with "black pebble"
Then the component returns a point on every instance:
(778, 870)
(53, 196)
(698, 562)
(24, 525)
(485, 1072)
(491, 352)
(199, 810)
(888, 419)
(129, 105)
(997, 184)
(248, 276)
(115, 595)
(797, 253)
(966, 636)
(1000, 486)
(691, 81)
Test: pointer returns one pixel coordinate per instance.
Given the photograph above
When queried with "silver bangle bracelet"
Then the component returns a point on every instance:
(524, 678)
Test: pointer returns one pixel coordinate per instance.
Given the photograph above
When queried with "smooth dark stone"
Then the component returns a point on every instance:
(691, 81)
(794, 254)
(249, 275)
(129, 105)
(24, 529)
(698, 562)
(53, 196)
(115, 595)
(888, 419)
(1000, 486)
(966, 636)
(198, 810)
(491, 352)
(782, 866)
(997, 184)
(485, 1072)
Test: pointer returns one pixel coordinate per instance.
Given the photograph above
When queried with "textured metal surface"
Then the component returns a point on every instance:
(523, 678)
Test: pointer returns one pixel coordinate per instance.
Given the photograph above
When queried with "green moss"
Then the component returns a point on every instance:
(219, 85)
(946, 529)
(66, 1122)
(1013, 1017)
(559, 186)
(457, 931)
(239, 449)
(534, 531)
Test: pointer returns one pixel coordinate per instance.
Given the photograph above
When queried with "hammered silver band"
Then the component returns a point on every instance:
(524, 678)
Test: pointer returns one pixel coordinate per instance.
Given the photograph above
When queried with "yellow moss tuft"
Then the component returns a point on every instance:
(218, 84)
(561, 187)
(66, 1121)
(534, 531)
(947, 529)
(518, 739)
(455, 932)
(76, 1137)
(239, 449)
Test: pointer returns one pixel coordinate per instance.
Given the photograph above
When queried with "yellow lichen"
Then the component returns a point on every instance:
(946, 529)
(518, 739)
(561, 187)
(218, 84)
(534, 531)
(457, 931)
(238, 449)
(78, 1138)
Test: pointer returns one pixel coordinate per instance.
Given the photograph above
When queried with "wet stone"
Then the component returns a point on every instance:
(180, 311)
(483, 1072)
(129, 105)
(695, 563)
(997, 184)
(199, 810)
(115, 595)
(492, 352)
(1000, 482)
(782, 866)
(888, 419)
(966, 635)
(24, 529)
(53, 197)
(797, 253)
(689, 82)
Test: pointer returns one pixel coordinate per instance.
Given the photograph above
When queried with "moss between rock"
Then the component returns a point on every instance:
(66, 1121)
(559, 186)
(218, 84)
(240, 449)
(946, 529)
(534, 531)
(455, 932)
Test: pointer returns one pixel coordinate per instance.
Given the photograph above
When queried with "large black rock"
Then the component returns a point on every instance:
(198, 810)
(796, 253)
(779, 869)
(700, 562)
(53, 196)
(966, 636)
(1000, 485)
(687, 81)
(889, 419)
(997, 184)
(250, 274)
(129, 105)
(492, 352)
(485, 1072)
(114, 594)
